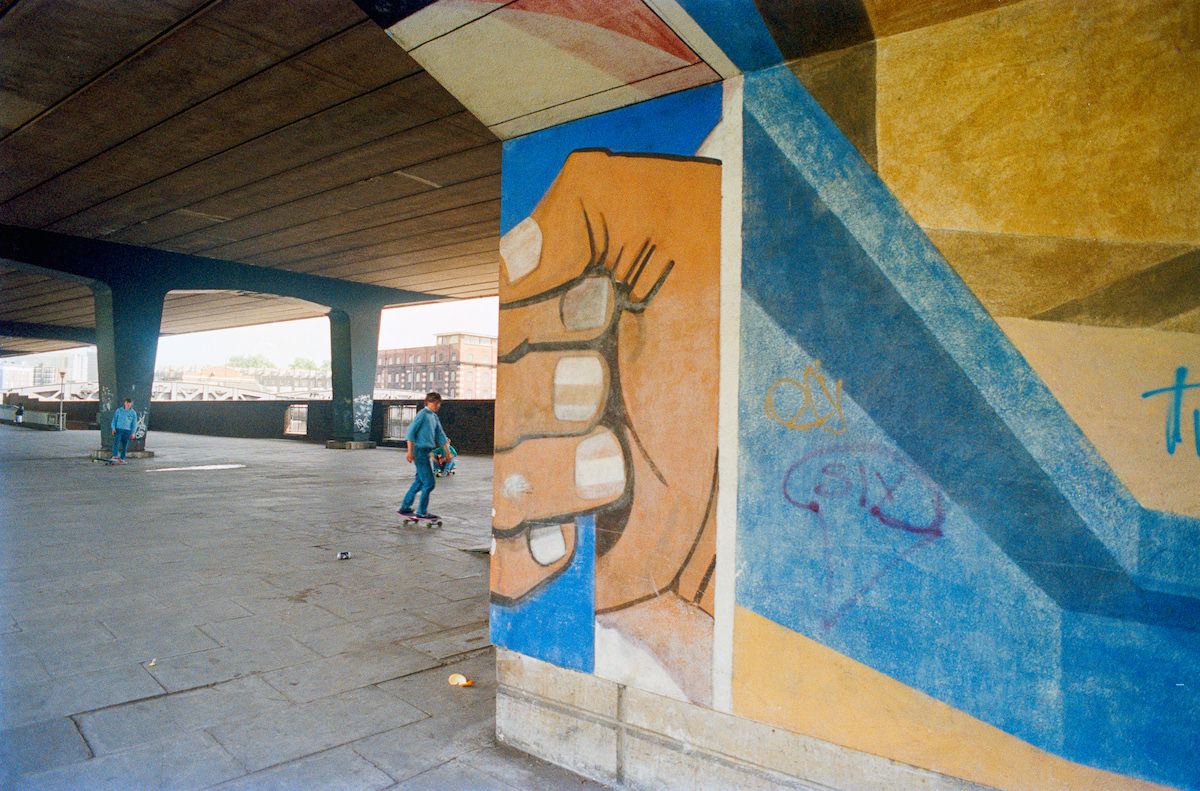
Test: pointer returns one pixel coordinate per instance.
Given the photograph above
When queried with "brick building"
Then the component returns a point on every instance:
(459, 365)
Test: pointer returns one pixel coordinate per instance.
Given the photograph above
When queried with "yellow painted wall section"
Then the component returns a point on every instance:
(1098, 374)
(783, 678)
(1022, 276)
(1072, 118)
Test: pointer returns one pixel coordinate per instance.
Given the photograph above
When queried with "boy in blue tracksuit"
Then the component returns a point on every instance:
(424, 434)
(124, 421)
(443, 464)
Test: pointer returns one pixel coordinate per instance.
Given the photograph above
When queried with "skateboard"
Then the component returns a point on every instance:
(430, 521)
(109, 462)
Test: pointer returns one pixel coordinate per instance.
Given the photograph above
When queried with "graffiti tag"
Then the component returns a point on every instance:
(362, 406)
(1174, 422)
(866, 484)
(816, 406)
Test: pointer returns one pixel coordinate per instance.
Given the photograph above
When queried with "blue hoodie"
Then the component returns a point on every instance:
(124, 419)
(426, 430)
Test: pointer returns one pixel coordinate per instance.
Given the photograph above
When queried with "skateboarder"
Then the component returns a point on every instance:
(124, 421)
(424, 434)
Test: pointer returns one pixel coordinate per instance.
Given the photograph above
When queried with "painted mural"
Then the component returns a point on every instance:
(605, 466)
(964, 543)
(1133, 393)
(916, 531)
(550, 61)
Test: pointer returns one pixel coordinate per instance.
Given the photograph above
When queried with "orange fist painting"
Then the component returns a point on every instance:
(608, 381)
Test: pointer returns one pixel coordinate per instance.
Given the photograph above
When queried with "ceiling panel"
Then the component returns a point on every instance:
(536, 63)
(77, 51)
(293, 135)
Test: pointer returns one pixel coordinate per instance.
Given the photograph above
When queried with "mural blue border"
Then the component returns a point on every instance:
(557, 623)
(532, 162)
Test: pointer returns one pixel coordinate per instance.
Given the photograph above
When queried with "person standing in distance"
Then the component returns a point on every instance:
(424, 434)
(123, 423)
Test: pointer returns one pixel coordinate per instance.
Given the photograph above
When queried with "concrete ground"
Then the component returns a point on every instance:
(166, 626)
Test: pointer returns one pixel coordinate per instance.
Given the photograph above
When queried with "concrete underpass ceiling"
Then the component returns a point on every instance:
(290, 134)
(1020, 134)
(298, 135)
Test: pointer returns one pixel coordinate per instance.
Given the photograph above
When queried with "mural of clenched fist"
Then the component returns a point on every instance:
(608, 407)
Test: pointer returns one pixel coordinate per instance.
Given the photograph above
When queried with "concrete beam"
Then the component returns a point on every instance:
(114, 264)
(128, 317)
(354, 341)
(49, 332)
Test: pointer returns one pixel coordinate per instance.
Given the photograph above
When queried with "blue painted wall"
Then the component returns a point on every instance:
(922, 519)
(673, 125)
(556, 623)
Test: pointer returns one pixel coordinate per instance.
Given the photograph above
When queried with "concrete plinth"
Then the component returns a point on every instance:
(102, 454)
(637, 740)
(339, 444)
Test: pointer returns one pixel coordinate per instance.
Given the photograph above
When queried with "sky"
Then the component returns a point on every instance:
(284, 341)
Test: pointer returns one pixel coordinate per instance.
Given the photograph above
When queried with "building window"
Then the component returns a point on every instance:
(296, 420)
(398, 420)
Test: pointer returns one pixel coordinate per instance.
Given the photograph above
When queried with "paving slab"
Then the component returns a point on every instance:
(465, 612)
(425, 744)
(454, 774)
(168, 640)
(67, 627)
(459, 589)
(454, 642)
(17, 670)
(39, 747)
(131, 724)
(316, 726)
(29, 703)
(341, 769)
(186, 763)
(351, 670)
(201, 668)
(394, 629)
(521, 771)
(134, 621)
(431, 692)
(400, 598)
(194, 629)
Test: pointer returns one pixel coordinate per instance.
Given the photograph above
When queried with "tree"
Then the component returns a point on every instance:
(304, 364)
(249, 361)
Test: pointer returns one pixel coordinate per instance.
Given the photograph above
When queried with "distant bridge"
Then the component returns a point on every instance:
(173, 391)
(197, 391)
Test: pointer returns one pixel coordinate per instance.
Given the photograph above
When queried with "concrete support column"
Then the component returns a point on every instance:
(128, 320)
(354, 337)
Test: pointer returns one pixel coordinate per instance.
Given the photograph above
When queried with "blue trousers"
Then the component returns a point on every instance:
(121, 442)
(423, 484)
